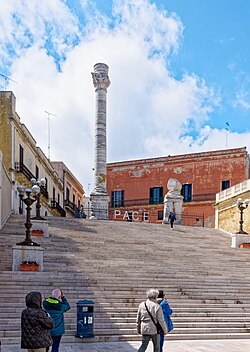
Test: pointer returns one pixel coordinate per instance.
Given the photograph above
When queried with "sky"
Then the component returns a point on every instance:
(179, 72)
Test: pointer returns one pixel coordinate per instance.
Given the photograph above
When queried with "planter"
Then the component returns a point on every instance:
(29, 267)
(37, 233)
(245, 245)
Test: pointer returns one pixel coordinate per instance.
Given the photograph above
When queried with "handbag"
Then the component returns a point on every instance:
(157, 325)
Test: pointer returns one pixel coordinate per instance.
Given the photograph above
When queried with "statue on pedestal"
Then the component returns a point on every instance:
(173, 201)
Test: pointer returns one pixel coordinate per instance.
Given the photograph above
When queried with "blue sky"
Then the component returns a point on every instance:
(216, 46)
(179, 71)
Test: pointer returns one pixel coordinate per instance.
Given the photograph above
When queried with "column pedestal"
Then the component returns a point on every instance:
(99, 206)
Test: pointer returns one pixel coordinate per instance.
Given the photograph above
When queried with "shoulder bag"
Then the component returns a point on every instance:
(157, 325)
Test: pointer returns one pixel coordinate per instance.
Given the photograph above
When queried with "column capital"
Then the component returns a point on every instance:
(100, 76)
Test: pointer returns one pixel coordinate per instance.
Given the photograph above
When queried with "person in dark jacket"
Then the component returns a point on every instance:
(56, 306)
(35, 325)
(167, 311)
(171, 218)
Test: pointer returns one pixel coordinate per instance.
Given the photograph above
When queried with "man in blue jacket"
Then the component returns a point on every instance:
(56, 306)
(171, 218)
(167, 311)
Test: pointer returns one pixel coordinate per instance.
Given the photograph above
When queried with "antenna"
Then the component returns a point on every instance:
(6, 79)
(227, 129)
(48, 117)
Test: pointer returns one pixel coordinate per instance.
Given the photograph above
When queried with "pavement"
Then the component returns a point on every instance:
(239, 345)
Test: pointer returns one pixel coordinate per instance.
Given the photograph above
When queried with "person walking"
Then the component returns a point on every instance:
(171, 218)
(56, 306)
(167, 311)
(146, 323)
(35, 324)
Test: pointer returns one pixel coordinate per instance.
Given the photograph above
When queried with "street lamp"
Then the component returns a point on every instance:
(28, 196)
(242, 205)
(40, 183)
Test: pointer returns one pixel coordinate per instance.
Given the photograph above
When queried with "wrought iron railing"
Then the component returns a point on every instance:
(72, 207)
(44, 192)
(200, 197)
(134, 202)
(20, 167)
(56, 205)
(159, 200)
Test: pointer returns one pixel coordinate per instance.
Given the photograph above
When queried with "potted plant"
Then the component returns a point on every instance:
(37, 232)
(29, 265)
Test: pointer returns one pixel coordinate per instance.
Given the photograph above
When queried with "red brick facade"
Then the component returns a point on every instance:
(201, 174)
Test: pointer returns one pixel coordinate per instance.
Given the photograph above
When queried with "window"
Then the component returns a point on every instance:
(46, 183)
(160, 215)
(74, 199)
(20, 155)
(117, 199)
(37, 172)
(225, 184)
(58, 198)
(187, 192)
(67, 193)
(156, 195)
(54, 194)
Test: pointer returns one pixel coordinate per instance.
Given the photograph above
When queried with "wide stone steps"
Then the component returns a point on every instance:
(114, 264)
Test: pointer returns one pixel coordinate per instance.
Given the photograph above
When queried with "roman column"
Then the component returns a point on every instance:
(99, 196)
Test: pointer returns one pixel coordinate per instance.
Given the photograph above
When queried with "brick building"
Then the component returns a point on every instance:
(137, 188)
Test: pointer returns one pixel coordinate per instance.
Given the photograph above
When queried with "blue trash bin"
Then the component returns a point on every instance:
(85, 318)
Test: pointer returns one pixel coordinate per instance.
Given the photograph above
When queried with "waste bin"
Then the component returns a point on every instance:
(85, 318)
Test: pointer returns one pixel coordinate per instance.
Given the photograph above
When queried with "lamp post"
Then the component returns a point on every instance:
(242, 205)
(28, 196)
(40, 183)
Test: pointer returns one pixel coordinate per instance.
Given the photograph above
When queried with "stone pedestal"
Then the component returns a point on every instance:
(40, 225)
(173, 201)
(27, 253)
(99, 206)
(238, 238)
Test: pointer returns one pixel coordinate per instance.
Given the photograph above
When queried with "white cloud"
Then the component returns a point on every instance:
(242, 100)
(149, 112)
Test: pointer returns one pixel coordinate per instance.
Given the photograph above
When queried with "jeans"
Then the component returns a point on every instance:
(161, 342)
(145, 341)
(56, 343)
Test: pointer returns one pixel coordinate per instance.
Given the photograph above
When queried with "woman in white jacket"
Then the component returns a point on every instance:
(145, 325)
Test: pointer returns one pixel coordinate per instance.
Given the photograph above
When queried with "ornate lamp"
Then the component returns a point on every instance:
(242, 205)
(40, 183)
(28, 196)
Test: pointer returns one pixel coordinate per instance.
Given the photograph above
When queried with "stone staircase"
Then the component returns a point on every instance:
(114, 263)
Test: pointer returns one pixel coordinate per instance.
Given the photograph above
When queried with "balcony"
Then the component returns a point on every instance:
(72, 208)
(20, 167)
(56, 205)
